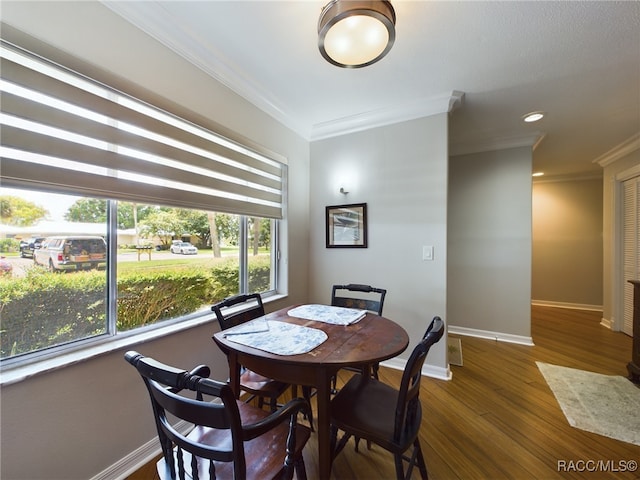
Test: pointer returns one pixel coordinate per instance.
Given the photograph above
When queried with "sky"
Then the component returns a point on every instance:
(57, 205)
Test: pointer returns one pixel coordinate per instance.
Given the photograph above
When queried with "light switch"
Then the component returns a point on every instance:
(427, 252)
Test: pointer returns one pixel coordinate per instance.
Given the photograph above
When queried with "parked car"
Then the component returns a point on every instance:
(71, 253)
(5, 267)
(185, 248)
(29, 245)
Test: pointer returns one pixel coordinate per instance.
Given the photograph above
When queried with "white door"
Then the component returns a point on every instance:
(631, 247)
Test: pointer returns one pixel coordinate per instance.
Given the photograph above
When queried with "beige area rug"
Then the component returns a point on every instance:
(603, 404)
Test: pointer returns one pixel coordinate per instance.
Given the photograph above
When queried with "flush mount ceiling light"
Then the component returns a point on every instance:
(354, 34)
(533, 117)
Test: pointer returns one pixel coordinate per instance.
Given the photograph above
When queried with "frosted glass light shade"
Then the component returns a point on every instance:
(354, 34)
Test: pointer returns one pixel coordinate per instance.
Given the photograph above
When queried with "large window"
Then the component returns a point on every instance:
(117, 215)
(167, 264)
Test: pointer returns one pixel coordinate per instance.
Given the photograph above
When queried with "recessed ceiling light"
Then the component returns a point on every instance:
(537, 174)
(533, 117)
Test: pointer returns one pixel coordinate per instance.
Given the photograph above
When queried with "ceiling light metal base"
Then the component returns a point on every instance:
(337, 10)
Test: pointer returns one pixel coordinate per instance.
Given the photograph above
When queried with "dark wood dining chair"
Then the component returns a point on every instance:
(362, 297)
(226, 438)
(369, 298)
(257, 386)
(368, 408)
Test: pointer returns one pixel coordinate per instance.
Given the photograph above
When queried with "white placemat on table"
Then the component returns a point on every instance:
(328, 314)
(280, 338)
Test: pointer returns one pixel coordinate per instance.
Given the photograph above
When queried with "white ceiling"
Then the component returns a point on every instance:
(487, 62)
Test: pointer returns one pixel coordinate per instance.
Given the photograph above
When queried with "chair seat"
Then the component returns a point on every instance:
(366, 408)
(252, 383)
(264, 455)
(256, 383)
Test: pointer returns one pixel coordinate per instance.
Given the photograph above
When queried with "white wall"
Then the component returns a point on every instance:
(400, 171)
(77, 421)
(489, 269)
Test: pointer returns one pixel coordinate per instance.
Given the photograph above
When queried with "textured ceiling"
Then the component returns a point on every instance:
(577, 61)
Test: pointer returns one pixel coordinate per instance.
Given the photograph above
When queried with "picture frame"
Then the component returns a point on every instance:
(346, 226)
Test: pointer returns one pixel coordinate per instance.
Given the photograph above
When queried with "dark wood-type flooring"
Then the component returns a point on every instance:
(497, 418)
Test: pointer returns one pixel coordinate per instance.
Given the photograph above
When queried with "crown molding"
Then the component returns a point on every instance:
(529, 140)
(619, 151)
(581, 177)
(386, 116)
(153, 19)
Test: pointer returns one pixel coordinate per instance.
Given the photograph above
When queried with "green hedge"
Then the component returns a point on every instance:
(148, 298)
(45, 309)
(36, 311)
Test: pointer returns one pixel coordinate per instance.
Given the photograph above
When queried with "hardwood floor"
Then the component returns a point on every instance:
(497, 418)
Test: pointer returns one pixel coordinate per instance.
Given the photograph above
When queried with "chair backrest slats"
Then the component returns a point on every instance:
(242, 316)
(367, 297)
(217, 441)
(408, 409)
(164, 384)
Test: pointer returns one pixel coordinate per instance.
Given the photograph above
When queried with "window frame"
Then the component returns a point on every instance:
(111, 289)
(21, 367)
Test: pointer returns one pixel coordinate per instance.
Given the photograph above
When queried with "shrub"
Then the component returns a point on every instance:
(37, 313)
(8, 245)
(148, 298)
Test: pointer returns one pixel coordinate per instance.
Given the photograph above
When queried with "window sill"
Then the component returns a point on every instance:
(22, 372)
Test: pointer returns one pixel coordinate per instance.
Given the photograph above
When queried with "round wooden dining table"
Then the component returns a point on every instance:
(372, 339)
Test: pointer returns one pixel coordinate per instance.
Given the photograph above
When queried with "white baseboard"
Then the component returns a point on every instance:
(427, 370)
(605, 322)
(138, 458)
(395, 363)
(575, 306)
(437, 372)
(498, 336)
(132, 462)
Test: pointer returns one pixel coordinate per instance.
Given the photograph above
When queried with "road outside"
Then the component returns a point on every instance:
(21, 265)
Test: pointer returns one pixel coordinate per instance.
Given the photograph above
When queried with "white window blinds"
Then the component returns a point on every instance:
(66, 133)
(631, 247)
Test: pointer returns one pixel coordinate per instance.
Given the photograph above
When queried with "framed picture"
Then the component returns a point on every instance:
(347, 226)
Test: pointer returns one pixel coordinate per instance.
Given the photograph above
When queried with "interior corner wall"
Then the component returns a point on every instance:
(612, 235)
(567, 243)
(78, 421)
(489, 237)
(400, 172)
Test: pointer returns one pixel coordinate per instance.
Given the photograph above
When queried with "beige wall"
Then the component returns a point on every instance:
(567, 243)
(77, 421)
